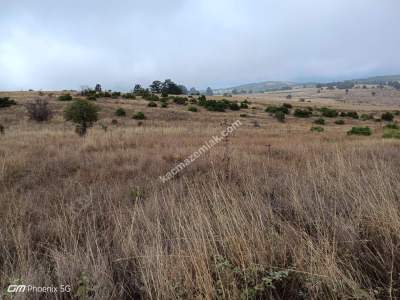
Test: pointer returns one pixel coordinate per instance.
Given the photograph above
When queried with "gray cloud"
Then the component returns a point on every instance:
(65, 44)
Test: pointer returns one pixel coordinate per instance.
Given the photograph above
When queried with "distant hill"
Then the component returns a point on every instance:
(284, 85)
(258, 87)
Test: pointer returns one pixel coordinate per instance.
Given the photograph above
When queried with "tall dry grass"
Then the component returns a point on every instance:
(307, 218)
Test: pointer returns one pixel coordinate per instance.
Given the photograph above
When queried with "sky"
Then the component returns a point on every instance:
(67, 44)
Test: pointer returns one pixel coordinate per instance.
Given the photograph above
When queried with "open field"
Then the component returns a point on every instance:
(275, 211)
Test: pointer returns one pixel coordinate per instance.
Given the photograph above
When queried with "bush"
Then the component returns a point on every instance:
(320, 121)
(234, 106)
(83, 113)
(366, 117)
(129, 96)
(244, 105)
(120, 112)
(152, 104)
(6, 102)
(339, 122)
(243, 115)
(164, 104)
(139, 116)
(317, 129)
(360, 131)
(39, 110)
(388, 116)
(180, 100)
(272, 109)
(192, 108)
(66, 97)
(392, 126)
(91, 98)
(352, 114)
(302, 113)
(391, 133)
(329, 113)
(287, 105)
(1, 129)
(280, 116)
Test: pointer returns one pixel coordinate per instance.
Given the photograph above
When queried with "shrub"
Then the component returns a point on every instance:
(366, 117)
(39, 110)
(280, 116)
(234, 106)
(129, 96)
(164, 104)
(1, 129)
(243, 115)
(272, 109)
(317, 129)
(302, 113)
(360, 131)
(6, 102)
(65, 97)
(391, 133)
(120, 112)
(244, 105)
(83, 113)
(392, 126)
(91, 98)
(289, 96)
(287, 105)
(352, 114)
(152, 104)
(329, 113)
(139, 116)
(339, 122)
(388, 116)
(320, 121)
(192, 108)
(180, 100)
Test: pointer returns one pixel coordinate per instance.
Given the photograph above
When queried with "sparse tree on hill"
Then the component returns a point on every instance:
(98, 88)
(156, 87)
(83, 113)
(193, 91)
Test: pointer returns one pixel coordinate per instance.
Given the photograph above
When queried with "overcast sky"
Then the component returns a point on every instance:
(57, 44)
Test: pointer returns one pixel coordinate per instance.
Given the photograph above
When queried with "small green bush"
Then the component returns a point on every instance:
(329, 113)
(272, 109)
(120, 112)
(192, 109)
(66, 97)
(139, 116)
(388, 116)
(391, 133)
(129, 96)
(244, 105)
(317, 129)
(234, 106)
(287, 105)
(83, 113)
(243, 115)
(6, 102)
(164, 104)
(352, 114)
(366, 117)
(339, 122)
(280, 116)
(91, 98)
(302, 113)
(320, 121)
(152, 104)
(392, 126)
(360, 131)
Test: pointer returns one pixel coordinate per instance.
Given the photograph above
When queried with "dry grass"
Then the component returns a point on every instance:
(313, 216)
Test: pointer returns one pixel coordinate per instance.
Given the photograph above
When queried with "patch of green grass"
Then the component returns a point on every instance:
(317, 129)
(360, 131)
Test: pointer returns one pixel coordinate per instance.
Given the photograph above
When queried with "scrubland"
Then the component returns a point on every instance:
(273, 212)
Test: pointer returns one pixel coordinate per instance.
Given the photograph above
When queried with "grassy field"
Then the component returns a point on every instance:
(274, 211)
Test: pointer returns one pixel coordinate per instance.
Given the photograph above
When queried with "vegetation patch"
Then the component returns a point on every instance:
(360, 131)
(6, 102)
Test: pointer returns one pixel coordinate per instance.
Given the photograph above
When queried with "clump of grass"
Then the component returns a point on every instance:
(280, 116)
(328, 112)
(320, 121)
(360, 131)
(193, 109)
(39, 110)
(388, 116)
